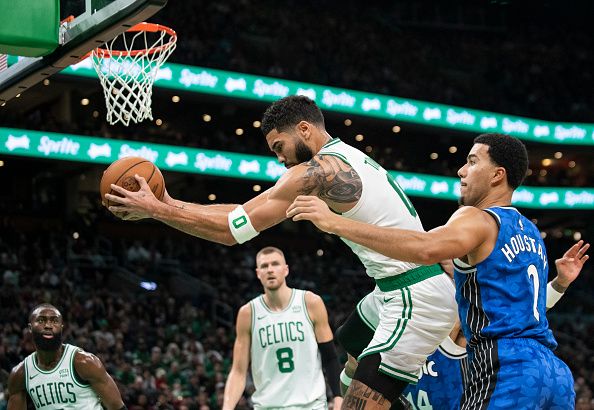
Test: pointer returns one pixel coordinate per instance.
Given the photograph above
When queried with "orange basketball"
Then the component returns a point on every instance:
(121, 173)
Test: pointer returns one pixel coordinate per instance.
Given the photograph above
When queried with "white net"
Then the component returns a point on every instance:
(127, 67)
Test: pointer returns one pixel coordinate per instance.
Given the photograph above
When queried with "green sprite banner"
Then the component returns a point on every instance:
(238, 85)
(228, 164)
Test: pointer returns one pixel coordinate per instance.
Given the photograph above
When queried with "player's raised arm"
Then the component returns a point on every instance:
(466, 230)
(319, 316)
(241, 359)
(89, 368)
(16, 394)
(568, 268)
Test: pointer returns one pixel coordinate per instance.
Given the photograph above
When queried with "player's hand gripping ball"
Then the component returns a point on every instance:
(122, 172)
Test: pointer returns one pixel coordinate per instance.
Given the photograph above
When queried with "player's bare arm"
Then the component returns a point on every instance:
(16, 394)
(241, 359)
(319, 316)
(89, 367)
(336, 183)
(568, 268)
(570, 265)
(470, 231)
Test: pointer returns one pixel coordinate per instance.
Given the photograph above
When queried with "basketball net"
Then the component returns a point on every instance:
(127, 75)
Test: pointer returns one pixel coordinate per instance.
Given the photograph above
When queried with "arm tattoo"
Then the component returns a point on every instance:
(359, 395)
(331, 179)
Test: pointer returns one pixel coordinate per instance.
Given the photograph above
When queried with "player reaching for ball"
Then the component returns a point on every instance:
(415, 303)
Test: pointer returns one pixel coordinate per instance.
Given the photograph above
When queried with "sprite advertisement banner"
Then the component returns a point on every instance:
(238, 85)
(252, 167)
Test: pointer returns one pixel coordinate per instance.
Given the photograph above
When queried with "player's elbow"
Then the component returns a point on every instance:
(429, 256)
(227, 240)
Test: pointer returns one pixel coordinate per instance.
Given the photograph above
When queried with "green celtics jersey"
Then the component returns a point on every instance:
(59, 388)
(382, 203)
(285, 361)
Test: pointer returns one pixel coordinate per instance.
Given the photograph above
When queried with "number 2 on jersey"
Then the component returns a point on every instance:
(533, 273)
(285, 360)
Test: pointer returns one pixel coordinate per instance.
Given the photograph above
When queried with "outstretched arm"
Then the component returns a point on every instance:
(17, 396)
(89, 367)
(208, 222)
(467, 229)
(568, 267)
(241, 358)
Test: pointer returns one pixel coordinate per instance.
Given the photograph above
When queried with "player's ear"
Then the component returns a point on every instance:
(499, 176)
(303, 129)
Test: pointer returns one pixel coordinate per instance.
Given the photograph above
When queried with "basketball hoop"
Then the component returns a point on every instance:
(127, 74)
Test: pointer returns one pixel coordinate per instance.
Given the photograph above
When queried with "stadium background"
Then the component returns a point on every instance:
(157, 306)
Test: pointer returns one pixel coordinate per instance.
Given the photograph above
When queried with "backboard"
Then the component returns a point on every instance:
(95, 22)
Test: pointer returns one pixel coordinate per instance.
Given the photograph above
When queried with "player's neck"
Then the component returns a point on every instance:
(323, 140)
(495, 198)
(48, 359)
(278, 299)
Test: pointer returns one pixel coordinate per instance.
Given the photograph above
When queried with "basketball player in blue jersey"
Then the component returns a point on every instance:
(501, 267)
(441, 384)
(57, 375)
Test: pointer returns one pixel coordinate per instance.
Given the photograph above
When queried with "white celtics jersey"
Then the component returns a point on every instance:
(285, 362)
(382, 203)
(58, 388)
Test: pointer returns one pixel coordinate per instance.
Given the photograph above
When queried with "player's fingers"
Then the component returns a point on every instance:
(296, 210)
(141, 181)
(118, 189)
(115, 198)
(117, 210)
(303, 213)
(305, 198)
(584, 249)
(301, 217)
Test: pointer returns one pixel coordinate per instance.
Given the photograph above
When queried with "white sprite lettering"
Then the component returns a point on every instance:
(572, 198)
(463, 117)
(406, 108)
(203, 79)
(275, 89)
(575, 133)
(143, 151)
(64, 146)
(218, 162)
(343, 99)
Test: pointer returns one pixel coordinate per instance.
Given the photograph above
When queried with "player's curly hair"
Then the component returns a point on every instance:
(507, 152)
(289, 111)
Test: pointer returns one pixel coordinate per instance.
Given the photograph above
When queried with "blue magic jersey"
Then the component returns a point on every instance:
(440, 385)
(504, 296)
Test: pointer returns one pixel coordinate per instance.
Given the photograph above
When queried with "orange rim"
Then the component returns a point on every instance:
(148, 27)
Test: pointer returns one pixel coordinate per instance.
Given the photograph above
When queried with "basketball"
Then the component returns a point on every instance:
(121, 173)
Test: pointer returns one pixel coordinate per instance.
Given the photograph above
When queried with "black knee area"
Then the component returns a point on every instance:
(368, 374)
(354, 335)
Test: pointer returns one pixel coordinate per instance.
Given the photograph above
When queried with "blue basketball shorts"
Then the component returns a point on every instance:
(516, 374)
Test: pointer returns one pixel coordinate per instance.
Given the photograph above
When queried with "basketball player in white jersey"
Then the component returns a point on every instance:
(285, 335)
(414, 304)
(59, 376)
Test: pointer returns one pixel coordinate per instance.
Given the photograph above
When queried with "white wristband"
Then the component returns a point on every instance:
(240, 225)
(346, 380)
(552, 296)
